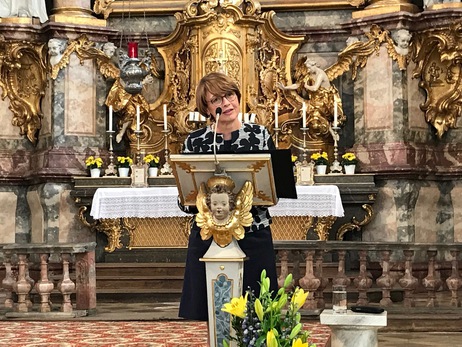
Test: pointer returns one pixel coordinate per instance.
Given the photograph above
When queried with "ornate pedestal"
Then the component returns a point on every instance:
(224, 272)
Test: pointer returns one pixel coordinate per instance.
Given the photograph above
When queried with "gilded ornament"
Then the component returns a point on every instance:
(437, 54)
(23, 81)
(222, 214)
(103, 7)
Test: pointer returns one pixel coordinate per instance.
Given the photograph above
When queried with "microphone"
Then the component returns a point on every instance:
(218, 169)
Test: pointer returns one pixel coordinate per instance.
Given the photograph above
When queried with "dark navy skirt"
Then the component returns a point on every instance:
(258, 247)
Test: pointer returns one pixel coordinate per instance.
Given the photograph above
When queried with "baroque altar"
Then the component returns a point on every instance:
(343, 213)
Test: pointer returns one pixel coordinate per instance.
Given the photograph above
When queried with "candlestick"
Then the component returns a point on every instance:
(276, 109)
(133, 49)
(304, 115)
(137, 117)
(165, 118)
(110, 117)
(335, 112)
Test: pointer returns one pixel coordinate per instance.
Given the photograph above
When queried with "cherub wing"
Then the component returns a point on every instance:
(244, 201)
(203, 218)
(300, 69)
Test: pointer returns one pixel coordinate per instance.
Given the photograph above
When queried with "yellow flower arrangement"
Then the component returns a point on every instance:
(274, 320)
(152, 160)
(93, 163)
(320, 158)
(294, 158)
(349, 159)
(124, 161)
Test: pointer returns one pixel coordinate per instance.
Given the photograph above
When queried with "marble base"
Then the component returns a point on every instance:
(354, 329)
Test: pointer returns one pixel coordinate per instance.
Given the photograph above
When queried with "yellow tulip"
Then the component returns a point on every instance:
(298, 299)
(271, 340)
(298, 343)
(237, 306)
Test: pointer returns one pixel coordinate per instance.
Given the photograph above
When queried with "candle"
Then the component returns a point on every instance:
(110, 117)
(137, 117)
(165, 117)
(304, 114)
(335, 112)
(191, 116)
(133, 49)
(276, 121)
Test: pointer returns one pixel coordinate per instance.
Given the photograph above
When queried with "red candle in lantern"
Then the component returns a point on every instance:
(133, 49)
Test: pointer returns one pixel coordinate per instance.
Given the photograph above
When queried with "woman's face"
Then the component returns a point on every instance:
(229, 104)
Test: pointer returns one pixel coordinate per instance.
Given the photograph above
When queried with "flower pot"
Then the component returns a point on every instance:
(95, 172)
(153, 171)
(123, 171)
(321, 169)
(349, 169)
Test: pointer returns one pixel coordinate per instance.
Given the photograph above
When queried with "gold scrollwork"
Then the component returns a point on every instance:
(323, 225)
(23, 81)
(356, 225)
(437, 54)
(103, 7)
(113, 229)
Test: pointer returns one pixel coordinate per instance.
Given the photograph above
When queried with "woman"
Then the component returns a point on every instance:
(218, 90)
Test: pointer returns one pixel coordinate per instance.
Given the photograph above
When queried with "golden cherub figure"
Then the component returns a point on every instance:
(223, 214)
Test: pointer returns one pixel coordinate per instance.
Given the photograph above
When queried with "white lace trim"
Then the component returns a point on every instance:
(157, 202)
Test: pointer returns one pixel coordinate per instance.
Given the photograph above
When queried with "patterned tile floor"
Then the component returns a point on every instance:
(115, 311)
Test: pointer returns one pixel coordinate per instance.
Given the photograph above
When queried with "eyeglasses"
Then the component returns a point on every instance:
(218, 100)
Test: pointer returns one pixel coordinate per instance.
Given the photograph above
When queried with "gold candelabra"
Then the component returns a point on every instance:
(335, 168)
(111, 168)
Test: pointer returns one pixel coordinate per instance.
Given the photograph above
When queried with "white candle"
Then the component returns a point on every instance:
(304, 115)
(191, 116)
(165, 117)
(276, 121)
(196, 116)
(335, 112)
(110, 117)
(240, 116)
(252, 117)
(137, 117)
(246, 117)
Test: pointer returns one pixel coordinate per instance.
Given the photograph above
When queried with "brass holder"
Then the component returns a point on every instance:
(276, 136)
(335, 168)
(304, 131)
(111, 168)
(138, 151)
(166, 168)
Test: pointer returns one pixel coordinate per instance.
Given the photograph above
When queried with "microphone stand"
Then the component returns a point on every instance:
(219, 171)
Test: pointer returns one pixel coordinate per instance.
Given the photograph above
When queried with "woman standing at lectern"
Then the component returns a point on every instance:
(217, 91)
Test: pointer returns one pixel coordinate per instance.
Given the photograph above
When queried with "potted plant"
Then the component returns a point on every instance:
(271, 319)
(123, 165)
(349, 162)
(94, 165)
(320, 160)
(153, 162)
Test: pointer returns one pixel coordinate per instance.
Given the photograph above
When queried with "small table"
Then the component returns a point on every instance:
(354, 329)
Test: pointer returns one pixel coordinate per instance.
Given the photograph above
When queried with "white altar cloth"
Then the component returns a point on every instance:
(158, 202)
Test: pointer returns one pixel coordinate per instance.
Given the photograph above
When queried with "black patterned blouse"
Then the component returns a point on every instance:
(248, 138)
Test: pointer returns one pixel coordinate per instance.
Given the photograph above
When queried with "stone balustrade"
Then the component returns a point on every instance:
(372, 266)
(21, 259)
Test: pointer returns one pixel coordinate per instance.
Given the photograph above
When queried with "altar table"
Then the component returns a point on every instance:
(153, 219)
